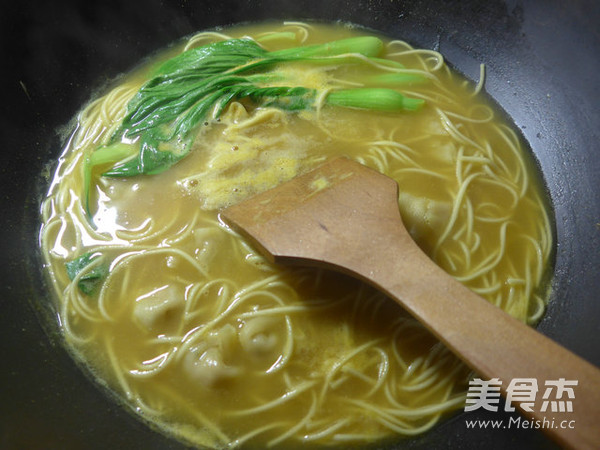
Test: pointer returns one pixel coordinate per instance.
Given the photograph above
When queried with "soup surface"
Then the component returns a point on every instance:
(199, 334)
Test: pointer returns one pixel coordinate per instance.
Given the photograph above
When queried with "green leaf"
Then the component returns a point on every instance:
(184, 90)
(104, 155)
(213, 58)
(151, 160)
(88, 282)
(282, 97)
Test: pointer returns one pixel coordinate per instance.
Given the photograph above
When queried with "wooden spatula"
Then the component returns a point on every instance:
(345, 216)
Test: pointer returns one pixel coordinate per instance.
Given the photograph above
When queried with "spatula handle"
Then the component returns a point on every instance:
(493, 343)
(345, 216)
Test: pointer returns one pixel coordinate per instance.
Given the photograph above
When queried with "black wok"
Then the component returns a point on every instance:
(543, 60)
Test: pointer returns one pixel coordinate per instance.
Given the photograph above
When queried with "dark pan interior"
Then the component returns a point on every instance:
(542, 58)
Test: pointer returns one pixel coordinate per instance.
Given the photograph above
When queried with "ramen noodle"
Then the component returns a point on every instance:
(201, 336)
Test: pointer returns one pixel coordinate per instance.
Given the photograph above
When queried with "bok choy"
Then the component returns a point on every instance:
(198, 84)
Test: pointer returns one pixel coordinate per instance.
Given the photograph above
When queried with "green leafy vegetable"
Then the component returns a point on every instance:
(110, 154)
(90, 281)
(198, 84)
(377, 99)
(363, 45)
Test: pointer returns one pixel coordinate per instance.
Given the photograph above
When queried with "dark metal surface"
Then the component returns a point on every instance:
(543, 61)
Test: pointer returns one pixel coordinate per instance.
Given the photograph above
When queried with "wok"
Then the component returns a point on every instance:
(542, 59)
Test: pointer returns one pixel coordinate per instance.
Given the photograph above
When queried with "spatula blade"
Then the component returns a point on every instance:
(318, 214)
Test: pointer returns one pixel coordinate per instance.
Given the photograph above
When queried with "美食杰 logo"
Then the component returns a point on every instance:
(554, 396)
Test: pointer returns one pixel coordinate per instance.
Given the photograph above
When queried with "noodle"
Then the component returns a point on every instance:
(200, 334)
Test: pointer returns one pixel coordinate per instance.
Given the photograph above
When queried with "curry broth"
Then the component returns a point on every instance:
(200, 335)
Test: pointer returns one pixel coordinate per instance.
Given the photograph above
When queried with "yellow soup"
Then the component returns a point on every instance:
(200, 335)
